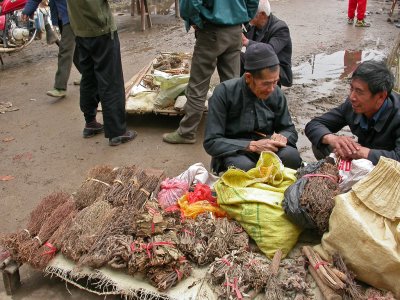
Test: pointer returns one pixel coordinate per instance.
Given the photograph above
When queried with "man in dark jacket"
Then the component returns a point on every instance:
(372, 111)
(249, 115)
(59, 17)
(267, 28)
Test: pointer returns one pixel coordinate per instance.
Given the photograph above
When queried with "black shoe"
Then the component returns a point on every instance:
(126, 137)
(91, 129)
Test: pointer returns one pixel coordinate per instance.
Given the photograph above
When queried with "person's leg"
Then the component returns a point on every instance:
(65, 57)
(290, 157)
(361, 9)
(88, 87)
(239, 161)
(230, 43)
(106, 57)
(351, 11)
(203, 65)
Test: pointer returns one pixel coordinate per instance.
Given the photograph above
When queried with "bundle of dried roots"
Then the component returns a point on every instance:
(110, 239)
(28, 250)
(352, 289)
(37, 217)
(97, 184)
(318, 194)
(85, 229)
(152, 220)
(167, 276)
(293, 278)
(50, 248)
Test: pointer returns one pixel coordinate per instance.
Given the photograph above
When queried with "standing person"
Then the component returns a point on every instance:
(267, 28)
(372, 111)
(99, 58)
(361, 7)
(59, 17)
(217, 25)
(249, 115)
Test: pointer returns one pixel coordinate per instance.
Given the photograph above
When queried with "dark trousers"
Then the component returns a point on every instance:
(245, 161)
(102, 79)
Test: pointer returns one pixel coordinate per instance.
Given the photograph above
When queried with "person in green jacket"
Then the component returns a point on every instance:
(100, 64)
(218, 32)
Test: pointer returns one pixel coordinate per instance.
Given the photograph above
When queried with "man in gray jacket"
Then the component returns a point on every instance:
(100, 64)
(249, 115)
(372, 111)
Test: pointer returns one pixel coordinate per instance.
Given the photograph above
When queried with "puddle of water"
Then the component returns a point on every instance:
(324, 70)
(337, 65)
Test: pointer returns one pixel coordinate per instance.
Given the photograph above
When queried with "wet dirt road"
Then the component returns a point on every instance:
(41, 144)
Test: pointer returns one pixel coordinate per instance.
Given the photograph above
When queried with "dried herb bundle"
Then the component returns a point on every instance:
(318, 194)
(85, 229)
(121, 187)
(97, 184)
(50, 248)
(122, 227)
(292, 278)
(12, 242)
(165, 277)
(352, 289)
(205, 238)
(27, 251)
(159, 250)
(151, 220)
(273, 290)
(239, 273)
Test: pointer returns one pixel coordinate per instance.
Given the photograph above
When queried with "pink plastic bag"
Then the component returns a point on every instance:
(171, 190)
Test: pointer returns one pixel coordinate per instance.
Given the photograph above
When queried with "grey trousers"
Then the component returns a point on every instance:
(216, 47)
(65, 57)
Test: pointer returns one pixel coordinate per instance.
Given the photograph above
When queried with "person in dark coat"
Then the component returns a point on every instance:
(249, 115)
(267, 28)
(372, 111)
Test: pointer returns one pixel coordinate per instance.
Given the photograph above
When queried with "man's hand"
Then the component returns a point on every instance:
(362, 153)
(279, 138)
(343, 146)
(265, 145)
(245, 40)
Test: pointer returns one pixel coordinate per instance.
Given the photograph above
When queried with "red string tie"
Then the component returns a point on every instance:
(331, 177)
(234, 285)
(52, 250)
(179, 273)
(321, 263)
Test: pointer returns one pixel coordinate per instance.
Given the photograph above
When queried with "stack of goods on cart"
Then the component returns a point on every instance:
(160, 84)
(140, 234)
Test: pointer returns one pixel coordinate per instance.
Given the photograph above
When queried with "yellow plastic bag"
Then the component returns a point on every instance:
(254, 199)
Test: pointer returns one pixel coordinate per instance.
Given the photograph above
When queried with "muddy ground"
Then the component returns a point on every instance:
(41, 145)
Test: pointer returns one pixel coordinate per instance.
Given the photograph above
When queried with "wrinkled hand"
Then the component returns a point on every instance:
(279, 138)
(245, 40)
(343, 146)
(363, 152)
(265, 145)
(24, 18)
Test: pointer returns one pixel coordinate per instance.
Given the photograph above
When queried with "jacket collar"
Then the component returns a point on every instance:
(383, 118)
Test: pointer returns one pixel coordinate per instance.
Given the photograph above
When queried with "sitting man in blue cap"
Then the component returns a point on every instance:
(248, 115)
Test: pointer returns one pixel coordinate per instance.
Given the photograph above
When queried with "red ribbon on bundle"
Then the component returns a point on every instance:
(235, 287)
(52, 250)
(331, 177)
